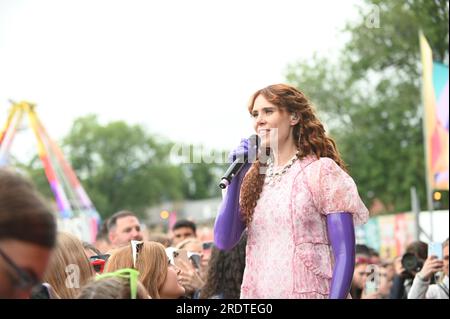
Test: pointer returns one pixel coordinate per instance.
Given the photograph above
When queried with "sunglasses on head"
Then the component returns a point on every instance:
(195, 259)
(136, 247)
(102, 257)
(98, 262)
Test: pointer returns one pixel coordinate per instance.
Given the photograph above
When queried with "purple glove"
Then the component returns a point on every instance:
(341, 233)
(229, 225)
(247, 148)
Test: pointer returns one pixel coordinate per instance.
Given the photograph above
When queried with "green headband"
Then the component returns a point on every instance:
(127, 273)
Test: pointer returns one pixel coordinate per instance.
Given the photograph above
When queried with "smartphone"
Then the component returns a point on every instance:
(435, 249)
(195, 259)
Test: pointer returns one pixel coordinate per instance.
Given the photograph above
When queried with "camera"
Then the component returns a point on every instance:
(411, 264)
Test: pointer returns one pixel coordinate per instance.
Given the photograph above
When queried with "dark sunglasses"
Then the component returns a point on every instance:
(24, 279)
(98, 262)
(207, 245)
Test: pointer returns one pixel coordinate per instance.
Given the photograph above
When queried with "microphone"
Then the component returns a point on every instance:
(239, 162)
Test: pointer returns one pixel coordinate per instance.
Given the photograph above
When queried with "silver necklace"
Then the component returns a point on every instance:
(271, 176)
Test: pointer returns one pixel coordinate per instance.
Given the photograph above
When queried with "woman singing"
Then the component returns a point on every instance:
(298, 204)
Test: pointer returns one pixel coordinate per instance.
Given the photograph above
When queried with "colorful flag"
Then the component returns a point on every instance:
(436, 119)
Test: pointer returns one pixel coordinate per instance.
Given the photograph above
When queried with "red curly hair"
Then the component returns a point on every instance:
(309, 137)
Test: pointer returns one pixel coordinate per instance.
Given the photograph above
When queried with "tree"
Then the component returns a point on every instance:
(370, 98)
(121, 166)
(203, 169)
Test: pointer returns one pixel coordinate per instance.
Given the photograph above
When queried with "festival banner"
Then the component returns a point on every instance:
(435, 88)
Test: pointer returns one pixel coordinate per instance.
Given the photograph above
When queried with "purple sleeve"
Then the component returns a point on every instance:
(341, 233)
(229, 225)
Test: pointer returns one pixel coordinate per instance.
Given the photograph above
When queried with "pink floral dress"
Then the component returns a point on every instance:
(288, 251)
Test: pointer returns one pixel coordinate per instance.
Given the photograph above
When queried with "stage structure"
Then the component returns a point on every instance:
(76, 213)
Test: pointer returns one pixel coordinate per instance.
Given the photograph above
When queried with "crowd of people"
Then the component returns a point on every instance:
(37, 261)
(413, 275)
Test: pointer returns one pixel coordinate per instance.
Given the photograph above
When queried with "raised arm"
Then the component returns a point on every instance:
(229, 225)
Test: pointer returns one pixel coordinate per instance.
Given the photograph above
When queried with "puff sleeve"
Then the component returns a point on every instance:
(334, 191)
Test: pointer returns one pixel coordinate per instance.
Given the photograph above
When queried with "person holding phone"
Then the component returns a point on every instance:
(193, 266)
(421, 287)
(297, 201)
(195, 248)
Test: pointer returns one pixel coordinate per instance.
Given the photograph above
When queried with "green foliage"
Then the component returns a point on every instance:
(370, 98)
(122, 167)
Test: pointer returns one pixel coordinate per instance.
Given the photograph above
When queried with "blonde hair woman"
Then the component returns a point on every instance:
(69, 268)
(150, 259)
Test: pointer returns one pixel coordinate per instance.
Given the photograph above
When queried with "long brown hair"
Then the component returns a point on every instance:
(309, 137)
(152, 264)
(69, 252)
(225, 273)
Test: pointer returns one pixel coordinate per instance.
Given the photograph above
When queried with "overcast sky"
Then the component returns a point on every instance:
(183, 68)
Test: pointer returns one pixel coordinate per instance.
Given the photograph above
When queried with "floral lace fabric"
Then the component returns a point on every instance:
(288, 251)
